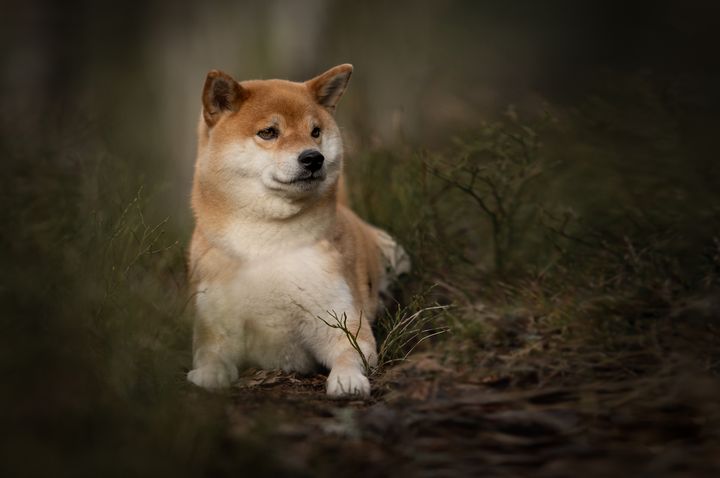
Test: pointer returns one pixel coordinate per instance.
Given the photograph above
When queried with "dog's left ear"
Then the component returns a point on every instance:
(330, 86)
(221, 94)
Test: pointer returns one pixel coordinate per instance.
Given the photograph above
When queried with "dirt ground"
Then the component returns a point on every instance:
(427, 417)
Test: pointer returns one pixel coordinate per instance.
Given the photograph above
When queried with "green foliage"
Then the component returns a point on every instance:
(587, 221)
(495, 168)
(97, 337)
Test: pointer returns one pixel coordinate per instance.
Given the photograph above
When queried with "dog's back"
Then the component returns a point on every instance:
(371, 258)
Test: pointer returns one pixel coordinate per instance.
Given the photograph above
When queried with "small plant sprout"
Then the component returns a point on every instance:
(340, 322)
(399, 333)
(405, 330)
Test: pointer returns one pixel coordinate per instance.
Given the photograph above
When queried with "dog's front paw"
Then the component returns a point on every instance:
(213, 377)
(345, 382)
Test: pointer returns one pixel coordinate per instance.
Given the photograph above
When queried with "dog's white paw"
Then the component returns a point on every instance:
(345, 382)
(213, 377)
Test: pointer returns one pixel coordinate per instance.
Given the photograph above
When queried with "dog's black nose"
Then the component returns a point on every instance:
(311, 159)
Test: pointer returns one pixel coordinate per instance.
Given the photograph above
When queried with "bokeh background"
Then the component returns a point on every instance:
(100, 102)
(423, 71)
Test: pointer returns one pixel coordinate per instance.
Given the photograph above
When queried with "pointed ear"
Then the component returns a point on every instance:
(221, 94)
(330, 86)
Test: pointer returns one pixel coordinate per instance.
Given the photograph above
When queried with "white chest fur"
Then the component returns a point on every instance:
(266, 311)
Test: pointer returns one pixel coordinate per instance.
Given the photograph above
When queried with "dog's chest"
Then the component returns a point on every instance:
(262, 307)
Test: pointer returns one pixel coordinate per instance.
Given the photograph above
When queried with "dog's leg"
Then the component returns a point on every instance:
(334, 349)
(213, 359)
(347, 370)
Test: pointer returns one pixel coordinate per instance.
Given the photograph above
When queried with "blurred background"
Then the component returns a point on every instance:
(423, 71)
(614, 107)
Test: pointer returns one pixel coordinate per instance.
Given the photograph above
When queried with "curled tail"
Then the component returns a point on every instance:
(395, 260)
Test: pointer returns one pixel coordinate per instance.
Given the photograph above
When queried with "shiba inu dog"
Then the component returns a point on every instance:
(275, 249)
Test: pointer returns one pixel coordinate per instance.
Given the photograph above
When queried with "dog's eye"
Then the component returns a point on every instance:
(268, 133)
(315, 133)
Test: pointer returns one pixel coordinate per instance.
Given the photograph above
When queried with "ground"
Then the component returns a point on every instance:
(511, 413)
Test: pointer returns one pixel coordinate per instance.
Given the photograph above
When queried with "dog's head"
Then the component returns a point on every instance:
(271, 140)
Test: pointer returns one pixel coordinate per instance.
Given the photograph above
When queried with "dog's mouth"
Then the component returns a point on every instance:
(303, 180)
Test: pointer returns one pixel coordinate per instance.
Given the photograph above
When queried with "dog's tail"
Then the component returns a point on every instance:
(395, 260)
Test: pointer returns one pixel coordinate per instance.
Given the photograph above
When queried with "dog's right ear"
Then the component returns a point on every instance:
(330, 86)
(221, 94)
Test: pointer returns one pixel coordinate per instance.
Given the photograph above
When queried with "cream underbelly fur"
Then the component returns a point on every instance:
(276, 254)
(268, 309)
